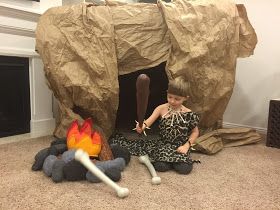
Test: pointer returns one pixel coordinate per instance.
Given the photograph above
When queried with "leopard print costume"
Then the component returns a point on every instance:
(175, 130)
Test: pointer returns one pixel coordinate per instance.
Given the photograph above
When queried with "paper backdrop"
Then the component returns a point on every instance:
(85, 47)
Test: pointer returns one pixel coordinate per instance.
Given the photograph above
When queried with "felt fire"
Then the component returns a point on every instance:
(84, 138)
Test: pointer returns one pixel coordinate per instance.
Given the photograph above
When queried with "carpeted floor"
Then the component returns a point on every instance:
(244, 177)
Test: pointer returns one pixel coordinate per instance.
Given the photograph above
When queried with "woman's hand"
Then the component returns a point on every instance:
(139, 129)
(183, 149)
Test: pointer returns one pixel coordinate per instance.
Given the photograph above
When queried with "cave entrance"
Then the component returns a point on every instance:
(127, 111)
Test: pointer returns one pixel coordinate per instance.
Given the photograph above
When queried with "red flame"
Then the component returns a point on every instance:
(84, 138)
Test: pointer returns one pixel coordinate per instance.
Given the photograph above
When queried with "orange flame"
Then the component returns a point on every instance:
(84, 138)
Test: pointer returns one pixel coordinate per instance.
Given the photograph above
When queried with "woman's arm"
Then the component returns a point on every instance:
(147, 123)
(185, 147)
(193, 136)
(154, 116)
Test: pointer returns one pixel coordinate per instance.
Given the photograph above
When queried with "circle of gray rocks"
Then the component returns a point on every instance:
(59, 163)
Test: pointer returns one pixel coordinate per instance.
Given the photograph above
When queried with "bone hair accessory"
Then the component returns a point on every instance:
(144, 159)
(83, 157)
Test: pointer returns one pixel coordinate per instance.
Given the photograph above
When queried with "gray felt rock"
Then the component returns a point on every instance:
(40, 158)
(74, 171)
(57, 171)
(114, 174)
(121, 152)
(68, 155)
(92, 178)
(58, 149)
(48, 164)
(118, 163)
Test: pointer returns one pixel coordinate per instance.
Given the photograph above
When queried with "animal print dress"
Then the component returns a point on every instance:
(174, 132)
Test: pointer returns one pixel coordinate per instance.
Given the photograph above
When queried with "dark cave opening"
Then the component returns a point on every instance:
(127, 111)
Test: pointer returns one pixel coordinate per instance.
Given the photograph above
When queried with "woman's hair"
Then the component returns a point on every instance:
(179, 86)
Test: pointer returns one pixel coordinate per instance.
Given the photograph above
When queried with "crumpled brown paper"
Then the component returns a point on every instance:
(216, 140)
(248, 39)
(77, 46)
(84, 49)
(142, 39)
(206, 42)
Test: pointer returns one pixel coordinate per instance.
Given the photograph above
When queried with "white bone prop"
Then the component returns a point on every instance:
(145, 160)
(83, 157)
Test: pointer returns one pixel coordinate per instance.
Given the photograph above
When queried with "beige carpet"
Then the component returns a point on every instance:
(244, 177)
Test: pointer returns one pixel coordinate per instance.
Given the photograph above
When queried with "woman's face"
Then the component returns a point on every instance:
(175, 101)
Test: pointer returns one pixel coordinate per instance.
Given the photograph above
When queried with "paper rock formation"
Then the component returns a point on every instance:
(84, 48)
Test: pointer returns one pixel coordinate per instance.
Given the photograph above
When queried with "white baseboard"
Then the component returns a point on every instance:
(233, 125)
(42, 127)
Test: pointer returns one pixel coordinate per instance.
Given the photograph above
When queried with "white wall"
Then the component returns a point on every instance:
(258, 76)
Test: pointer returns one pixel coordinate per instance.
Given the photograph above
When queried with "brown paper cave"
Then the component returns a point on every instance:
(86, 48)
